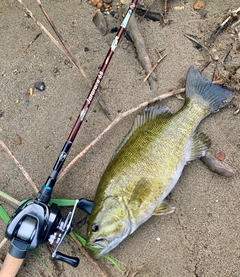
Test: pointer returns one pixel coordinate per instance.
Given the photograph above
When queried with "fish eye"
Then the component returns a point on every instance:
(95, 228)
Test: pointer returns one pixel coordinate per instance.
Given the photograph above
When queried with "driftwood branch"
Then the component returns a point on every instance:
(141, 49)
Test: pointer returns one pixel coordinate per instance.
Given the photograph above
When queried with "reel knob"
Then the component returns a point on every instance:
(73, 261)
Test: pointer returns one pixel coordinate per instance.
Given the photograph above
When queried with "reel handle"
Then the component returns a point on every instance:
(10, 266)
(73, 261)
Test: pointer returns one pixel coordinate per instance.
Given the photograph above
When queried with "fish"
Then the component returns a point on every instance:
(149, 162)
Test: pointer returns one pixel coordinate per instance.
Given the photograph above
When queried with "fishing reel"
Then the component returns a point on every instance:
(35, 222)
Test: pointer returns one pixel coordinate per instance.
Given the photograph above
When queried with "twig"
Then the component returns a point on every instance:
(85, 253)
(37, 36)
(155, 65)
(9, 198)
(197, 42)
(24, 172)
(141, 267)
(165, 7)
(3, 242)
(223, 58)
(52, 38)
(68, 51)
(115, 121)
(219, 28)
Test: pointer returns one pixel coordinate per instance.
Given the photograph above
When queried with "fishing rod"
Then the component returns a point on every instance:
(35, 221)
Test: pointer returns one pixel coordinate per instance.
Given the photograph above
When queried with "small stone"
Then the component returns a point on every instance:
(114, 29)
(99, 5)
(178, 8)
(236, 47)
(56, 71)
(95, 2)
(202, 13)
(199, 5)
(18, 140)
(46, 145)
(100, 22)
(107, 1)
(86, 49)
(40, 86)
(107, 5)
(31, 91)
(227, 59)
(236, 111)
(221, 156)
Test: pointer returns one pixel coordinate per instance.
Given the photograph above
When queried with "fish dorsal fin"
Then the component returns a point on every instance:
(200, 144)
(148, 114)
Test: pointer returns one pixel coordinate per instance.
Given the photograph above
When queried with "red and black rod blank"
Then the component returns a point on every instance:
(45, 194)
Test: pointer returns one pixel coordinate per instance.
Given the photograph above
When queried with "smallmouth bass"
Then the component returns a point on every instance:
(148, 163)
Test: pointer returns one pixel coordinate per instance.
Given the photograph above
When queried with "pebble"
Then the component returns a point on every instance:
(221, 156)
(107, 6)
(100, 22)
(216, 57)
(40, 86)
(199, 5)
(18, 140)
(236, 111)
(46, 145)
(31, 91)
(99, 5)
(202, 13)
(107, 1)
(95, 2)
(56, 71)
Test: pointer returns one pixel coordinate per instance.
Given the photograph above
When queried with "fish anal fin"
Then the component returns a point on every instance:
(164, 208)
(200, 144)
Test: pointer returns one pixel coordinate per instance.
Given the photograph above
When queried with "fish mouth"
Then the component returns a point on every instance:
(99, 243)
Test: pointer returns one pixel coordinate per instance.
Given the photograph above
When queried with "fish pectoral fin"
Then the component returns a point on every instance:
(140, 193)
(200, 144)
(164, 208)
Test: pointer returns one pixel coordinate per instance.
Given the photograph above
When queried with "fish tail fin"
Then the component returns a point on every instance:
(215, 96)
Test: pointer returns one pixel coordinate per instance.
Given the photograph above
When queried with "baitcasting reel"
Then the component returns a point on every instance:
(34, 222)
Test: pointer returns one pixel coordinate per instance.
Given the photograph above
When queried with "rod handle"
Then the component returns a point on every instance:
(10, 266)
